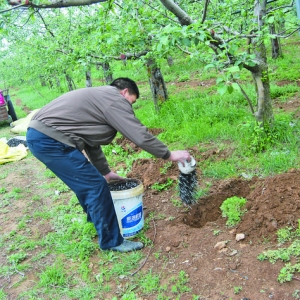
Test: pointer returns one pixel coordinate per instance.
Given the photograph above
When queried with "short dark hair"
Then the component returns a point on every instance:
(126, 83)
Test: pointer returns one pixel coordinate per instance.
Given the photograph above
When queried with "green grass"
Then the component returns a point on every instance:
(280, 69)
(32, 97)
(289, 255)
(232, 209)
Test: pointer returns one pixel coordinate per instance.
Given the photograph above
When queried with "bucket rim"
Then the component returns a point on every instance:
(115, 182)
(125, 180)
(126, 193)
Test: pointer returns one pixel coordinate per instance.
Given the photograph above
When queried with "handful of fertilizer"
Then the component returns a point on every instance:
(188, 182)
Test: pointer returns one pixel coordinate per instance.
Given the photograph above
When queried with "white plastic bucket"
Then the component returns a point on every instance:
(128, 205)
(188, 167)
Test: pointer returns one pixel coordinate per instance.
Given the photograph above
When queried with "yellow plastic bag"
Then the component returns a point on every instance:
(8, 154)
(21, 125)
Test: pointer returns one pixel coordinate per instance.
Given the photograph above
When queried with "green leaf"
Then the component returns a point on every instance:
(271, 20)
(235, 86)
(164, 40)
(219, 80)
(233, 69)
(251, 63)
(222, 89)
(186, 42)
(243, 13)
(196, 41)
(209, 66)
(229, 89)
(233, 48)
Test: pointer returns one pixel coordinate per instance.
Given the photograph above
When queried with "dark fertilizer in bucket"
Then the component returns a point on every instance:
(127, 196)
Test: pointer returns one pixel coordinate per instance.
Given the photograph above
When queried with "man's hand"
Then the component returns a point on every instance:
(111, 176)
(180, 155)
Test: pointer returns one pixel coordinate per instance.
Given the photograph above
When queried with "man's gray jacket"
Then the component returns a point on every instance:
(90, 117)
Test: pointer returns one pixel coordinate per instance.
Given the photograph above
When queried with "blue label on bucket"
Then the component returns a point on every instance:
(133, 217)
(130, 215)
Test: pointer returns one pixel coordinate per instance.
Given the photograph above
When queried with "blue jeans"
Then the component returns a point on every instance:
(90, 187)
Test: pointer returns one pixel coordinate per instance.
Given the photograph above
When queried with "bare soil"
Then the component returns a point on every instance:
(186, 236)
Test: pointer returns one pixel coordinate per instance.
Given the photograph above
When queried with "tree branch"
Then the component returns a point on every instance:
(246, 96)
(160, 12)
(204, 11)
(280, 7)
(53, 4)
(184, 51)
(286, 36)
(15, 7)
(46, 26)
(182, 16)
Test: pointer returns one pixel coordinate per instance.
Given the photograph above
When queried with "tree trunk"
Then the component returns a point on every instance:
(170, 61)
(70, 83)
(264, 113)
(157, 84)
(88, 79)
(43, 80)
(57, 82)
(107, 72)
(50, 83)
(276, 47)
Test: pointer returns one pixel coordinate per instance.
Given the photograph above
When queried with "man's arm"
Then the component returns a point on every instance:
(98, 159)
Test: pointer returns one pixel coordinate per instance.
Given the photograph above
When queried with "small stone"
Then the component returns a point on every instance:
(220, 245)
(176, 244)
(233, 231)
(239, 237)
(274, 224)
(168, 249)
(223, 250)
